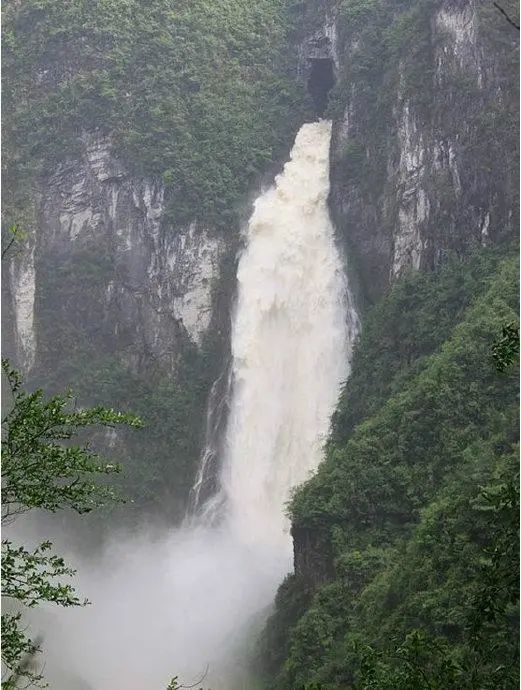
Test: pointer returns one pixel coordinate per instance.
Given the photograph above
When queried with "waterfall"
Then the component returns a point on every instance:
(289, 344)
(213, 581)
(293, 329)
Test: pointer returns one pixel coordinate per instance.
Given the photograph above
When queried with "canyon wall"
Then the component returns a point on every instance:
(114, 281)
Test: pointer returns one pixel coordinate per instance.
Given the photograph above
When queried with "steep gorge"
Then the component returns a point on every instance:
(132, 168)
(115, 275)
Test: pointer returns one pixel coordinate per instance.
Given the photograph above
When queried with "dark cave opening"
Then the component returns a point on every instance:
(320, 82)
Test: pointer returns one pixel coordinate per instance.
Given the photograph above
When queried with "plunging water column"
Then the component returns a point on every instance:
(290, 344)
(293, 328)
(179, 604)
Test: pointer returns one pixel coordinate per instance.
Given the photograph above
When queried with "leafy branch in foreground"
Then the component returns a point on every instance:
(39, 470)
(18, 652)
(28, 576)
(42, 468)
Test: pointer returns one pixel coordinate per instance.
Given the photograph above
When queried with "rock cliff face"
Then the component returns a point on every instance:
(108, 291)
(423, 152)
(423, 140)
(312, 557)
(20, 287)
(104, 263)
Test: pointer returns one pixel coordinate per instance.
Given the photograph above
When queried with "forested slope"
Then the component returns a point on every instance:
(409, 526)
(201, 93)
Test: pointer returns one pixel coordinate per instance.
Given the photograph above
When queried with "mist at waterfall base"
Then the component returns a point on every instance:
(193, 599)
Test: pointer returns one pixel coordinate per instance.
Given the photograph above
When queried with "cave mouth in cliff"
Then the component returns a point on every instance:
(320, 82)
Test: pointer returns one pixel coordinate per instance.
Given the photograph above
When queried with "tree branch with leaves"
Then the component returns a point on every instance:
(43, 467)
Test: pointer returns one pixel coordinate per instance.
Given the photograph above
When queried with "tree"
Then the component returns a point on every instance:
(505, 350)
(418, 663)
(43, 468)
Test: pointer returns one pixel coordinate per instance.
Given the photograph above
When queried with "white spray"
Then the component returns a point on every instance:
(185, 602)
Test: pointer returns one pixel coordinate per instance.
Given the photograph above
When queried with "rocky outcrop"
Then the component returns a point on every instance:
(423, 145)
(107, 265)
(320, 44)
(20, 281)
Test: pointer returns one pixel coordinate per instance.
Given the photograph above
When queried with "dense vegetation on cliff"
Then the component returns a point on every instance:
(414, 511)
(201, 93)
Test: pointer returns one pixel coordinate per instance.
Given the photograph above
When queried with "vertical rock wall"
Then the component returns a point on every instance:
(424, 146)
(109, 297)
(106, 265)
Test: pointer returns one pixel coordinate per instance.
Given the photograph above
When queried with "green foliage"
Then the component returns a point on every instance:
(42, 469)
(200, 92)
(498, 592)
(357, 13)
(489, 619)
(506, 349)
(28, 576)
(38, 469)
(416, 505)
(17, 652)
(392, 348)
(418, 663)
(160, 463)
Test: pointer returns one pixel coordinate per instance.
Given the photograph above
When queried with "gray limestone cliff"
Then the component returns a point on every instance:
(424, 151)
(105, 293)
(141, 285)
(424, 147)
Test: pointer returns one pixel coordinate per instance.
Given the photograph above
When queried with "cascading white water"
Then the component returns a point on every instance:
(291, 343)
